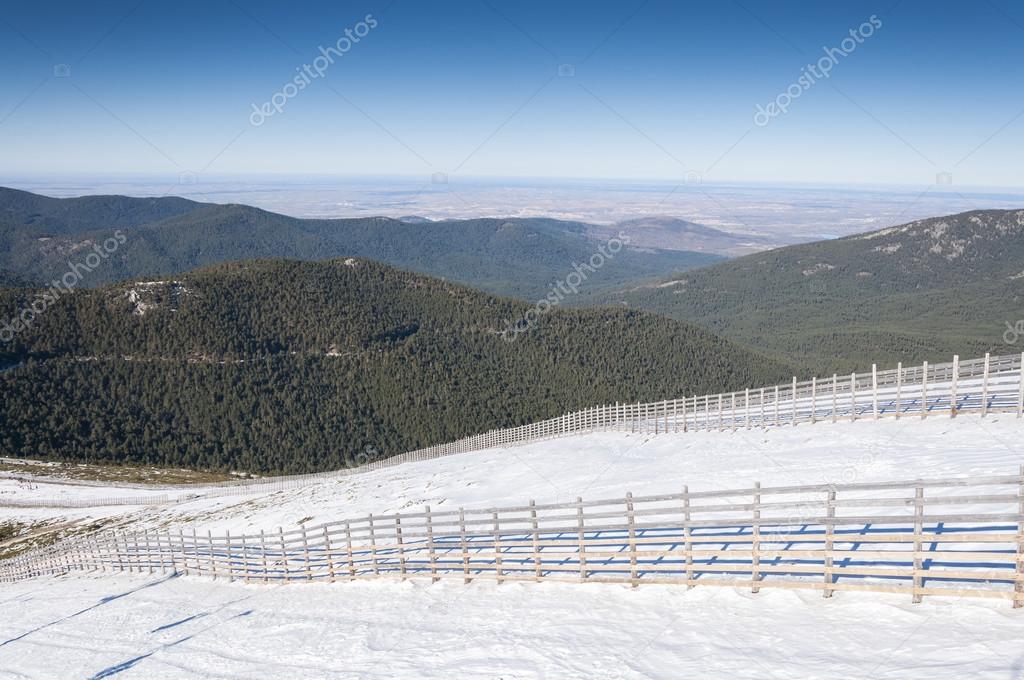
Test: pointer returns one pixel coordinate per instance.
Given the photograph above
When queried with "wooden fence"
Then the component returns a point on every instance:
(981, 386)
(949, 537)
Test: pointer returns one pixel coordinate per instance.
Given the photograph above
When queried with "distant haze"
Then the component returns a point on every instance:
(772, 214)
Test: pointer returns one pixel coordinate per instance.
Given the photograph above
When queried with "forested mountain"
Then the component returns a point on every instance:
(10, 279)
(41, 236)
(924, 290)
(69, 216)
(285, 366)
(665, 231)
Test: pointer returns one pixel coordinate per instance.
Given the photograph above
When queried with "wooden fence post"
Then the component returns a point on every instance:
(195, 551)
(130, 553)
(431, 554)
(1018, 601)
(1020, 395)
(720, 417)
(874, 391)
(953, 385)
(631, 528)
(149, 553)
(918, 541)
(286, 573)
(755, 558)
(82, 556)
(776, 405)
(348, 552)
(139, 551)
(814, 400)
(184, 555)
(373, 547)
(95, 556)
(835, 397)
(124, 557)
(764, 420)
(732, 418)
(401, 546)
(582, 539)
(305, 553)
(465, 548)
(160, 551)
(171, 555)
(263, 555)
(227, 542)
(245, 559)
(830, 530)
(899, 389)
(746, 407)
(64, 561)
(853, 396)
(213, 564)
(536, 539)
(794, 400)
(687, 537)
(497, 547)
(924, 390)
(984, 387)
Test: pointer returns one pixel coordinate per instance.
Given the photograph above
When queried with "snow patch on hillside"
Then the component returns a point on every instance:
(148, 295)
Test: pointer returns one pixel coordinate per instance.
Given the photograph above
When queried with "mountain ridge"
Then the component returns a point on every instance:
(923, 290)
(165, 236)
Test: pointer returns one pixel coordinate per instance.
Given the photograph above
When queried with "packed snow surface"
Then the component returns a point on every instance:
(155, 627)
(143, 626)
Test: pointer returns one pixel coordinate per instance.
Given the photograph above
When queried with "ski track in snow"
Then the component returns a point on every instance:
(133, 626)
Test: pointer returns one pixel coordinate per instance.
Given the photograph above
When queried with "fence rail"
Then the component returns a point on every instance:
(981, 386)
(944, 537)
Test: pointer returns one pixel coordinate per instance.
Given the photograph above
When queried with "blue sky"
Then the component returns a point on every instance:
(659, 89)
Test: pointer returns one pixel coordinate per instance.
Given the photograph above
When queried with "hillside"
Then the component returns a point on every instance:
(664, 231)
(11, 280)
(39, 236)
(279, 365)
(924, 290)
(48, 216)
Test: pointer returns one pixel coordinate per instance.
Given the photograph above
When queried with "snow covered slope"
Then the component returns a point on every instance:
(592, 466)
(142, 626)
(151, 628)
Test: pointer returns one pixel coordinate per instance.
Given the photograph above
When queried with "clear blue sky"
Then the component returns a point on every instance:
(472, 89)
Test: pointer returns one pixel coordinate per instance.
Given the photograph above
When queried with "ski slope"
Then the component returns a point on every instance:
(152, 626)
